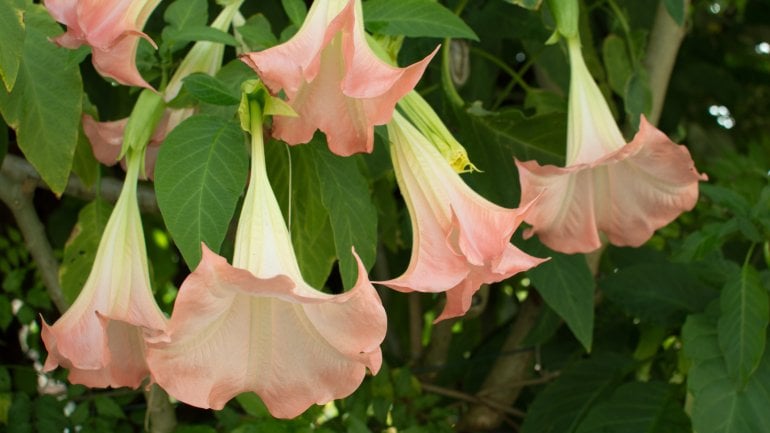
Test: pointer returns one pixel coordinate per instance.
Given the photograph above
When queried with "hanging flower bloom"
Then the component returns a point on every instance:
(461, 240)
(623, 191)
(257, 326)
(111, 27)
(333, 80)
(106, 138)
(100, 337)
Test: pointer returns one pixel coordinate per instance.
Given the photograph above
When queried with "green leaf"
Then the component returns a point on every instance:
(12, 34)
(414, 18)
(742, 326)
(661, 293)
(210, 90)
(21, 414)
(200, 174)
(44, 105)
(296, 186)
(567, 286)
(252, 404)
(84, 165)
(636, 407)
(493, 140)
(257, 33)
(638, 97)
(296, 10)
(718, 404)
(80, 250)
(563, 404)
(346, 197)
(185, 13)
(49, 415)
(676, 9)
(3, 140)
(199, 33)
(527, 4)
(108, 408)
(617, 63)
(6, 313)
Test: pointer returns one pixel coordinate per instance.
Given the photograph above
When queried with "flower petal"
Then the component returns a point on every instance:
(627, 194)
(232, 332)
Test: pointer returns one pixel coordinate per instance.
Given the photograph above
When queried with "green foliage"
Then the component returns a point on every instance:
(294, 178)
(296, 10)
(80, 250)
(742, 325)
(199, 177)
(210, 90)
(563, 405)
(44, 105)
(346, 197)
(567, 286)
(722, 403)
(12, 34)
(415, 18)
(650, 407)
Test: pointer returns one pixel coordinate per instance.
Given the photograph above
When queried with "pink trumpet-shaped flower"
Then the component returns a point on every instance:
(461, 240)
(333, 80)
(624, 191)
(257, 326)
(111, 27)
(100, 338)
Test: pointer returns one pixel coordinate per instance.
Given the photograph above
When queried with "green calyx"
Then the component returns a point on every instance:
(567, 14)
(144, 118)
(254, 91)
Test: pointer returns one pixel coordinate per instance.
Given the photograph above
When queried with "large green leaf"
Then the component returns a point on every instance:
(414, 18)
(44, 105)
(80, 250)
(296, 10)
(742, 326)
(345, 195)
(719, 406)
(638, 407)
(12, 35)
(210, 90)
(295, 184)
(562, 405)
(617, 63)
(493, 140)
(662, 293)
(200, 174)
(567, 286)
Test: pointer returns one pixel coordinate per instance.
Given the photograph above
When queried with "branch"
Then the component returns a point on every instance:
(19, 170)
(665, 39)
(504, 382)
(160, 417)
(18, 197)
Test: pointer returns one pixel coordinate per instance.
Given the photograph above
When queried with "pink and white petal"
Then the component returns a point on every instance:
(126, 366)
(290, 65)
(65, 12)
(106, 138)
(355, 324)
(119, 62)
(459, 299)
(104, 22)
(211, 356)
(650, 188)
(564, 216)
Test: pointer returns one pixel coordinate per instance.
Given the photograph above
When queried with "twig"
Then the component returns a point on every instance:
(545, 378)
(18, 170)
(415, 325)
(459, 395)
(160, 416)
(18, 197)
(503, 384)
(665, 39)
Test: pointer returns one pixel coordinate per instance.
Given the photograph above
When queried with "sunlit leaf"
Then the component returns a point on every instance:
(80, 250)
(44, 105)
